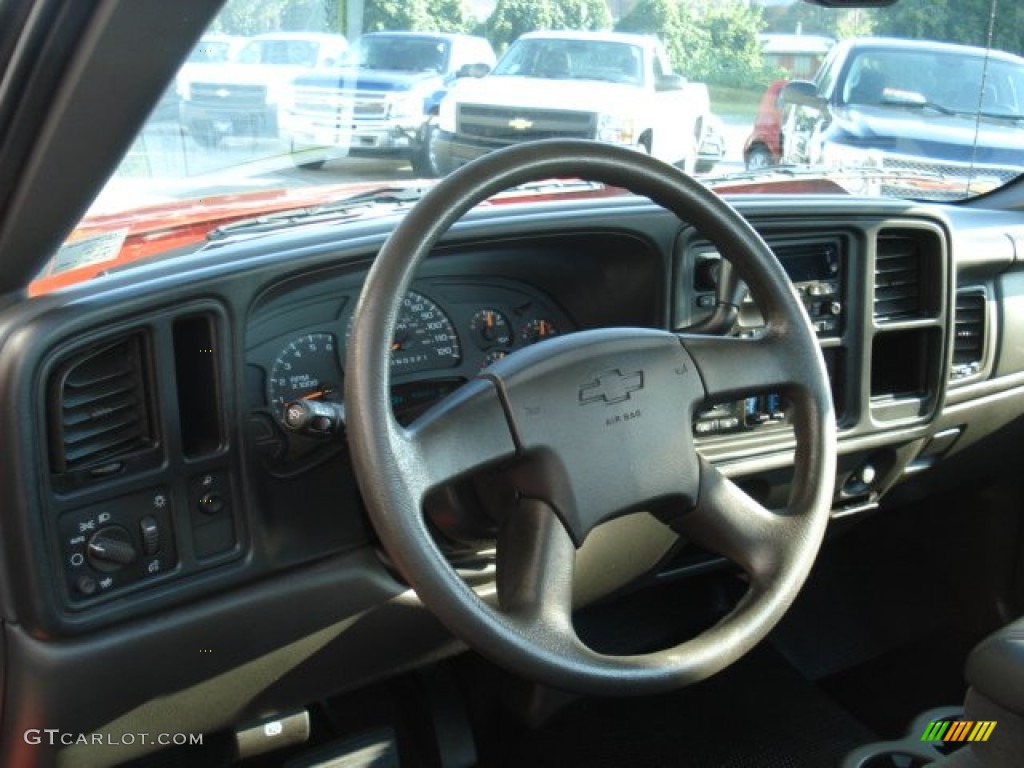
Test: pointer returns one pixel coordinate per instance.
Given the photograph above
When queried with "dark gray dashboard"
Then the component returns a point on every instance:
(204, 481)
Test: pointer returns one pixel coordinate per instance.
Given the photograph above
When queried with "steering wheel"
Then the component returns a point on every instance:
(586, 427)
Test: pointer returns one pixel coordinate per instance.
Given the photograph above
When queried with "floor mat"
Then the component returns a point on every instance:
(759, 713)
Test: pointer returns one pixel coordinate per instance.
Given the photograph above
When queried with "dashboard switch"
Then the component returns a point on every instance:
(211, 503)
(150, 531)
(110, 549)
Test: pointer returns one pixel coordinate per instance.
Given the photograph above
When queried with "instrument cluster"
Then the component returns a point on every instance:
(447, 331)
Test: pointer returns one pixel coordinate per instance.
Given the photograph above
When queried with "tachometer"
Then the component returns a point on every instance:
(305, 369)
(424, 338)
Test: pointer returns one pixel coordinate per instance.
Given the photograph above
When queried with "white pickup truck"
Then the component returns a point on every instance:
(612, 87)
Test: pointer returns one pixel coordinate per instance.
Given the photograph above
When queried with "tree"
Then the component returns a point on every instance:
(249, 17)
(512, 18)
(416, 15)
(582, 14)
(962, 21)
(664, 18)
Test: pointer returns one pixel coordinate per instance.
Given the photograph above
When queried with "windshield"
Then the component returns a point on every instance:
(571, 59)
(918, 100)
(400, 53)
(952, 80)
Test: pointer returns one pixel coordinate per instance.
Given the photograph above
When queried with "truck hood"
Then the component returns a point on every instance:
(381, 81)
(513, 91)
(901, 130)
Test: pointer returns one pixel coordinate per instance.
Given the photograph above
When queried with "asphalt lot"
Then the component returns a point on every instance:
(166, 164)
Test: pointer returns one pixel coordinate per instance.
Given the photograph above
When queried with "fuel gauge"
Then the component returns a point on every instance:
(490, 328)
(537, 330)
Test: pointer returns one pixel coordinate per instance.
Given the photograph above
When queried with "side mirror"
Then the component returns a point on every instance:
(800, 93)
(670, 83)
(473, 70)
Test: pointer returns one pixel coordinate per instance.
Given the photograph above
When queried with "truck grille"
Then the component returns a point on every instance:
(324, 102)
(229, 95)
(969, 180)
(499, 126)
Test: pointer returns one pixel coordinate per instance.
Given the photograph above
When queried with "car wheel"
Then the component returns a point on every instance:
(585, 427)
(425, 161)
(759, 157)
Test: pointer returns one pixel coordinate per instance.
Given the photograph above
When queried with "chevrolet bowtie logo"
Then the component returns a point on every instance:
(520, 124)
(612, 387)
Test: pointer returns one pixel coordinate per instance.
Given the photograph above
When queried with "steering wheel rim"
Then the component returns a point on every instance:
(496, 419)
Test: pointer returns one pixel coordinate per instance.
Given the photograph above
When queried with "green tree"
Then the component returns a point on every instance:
(512, 18)
(417, 15)
(665, 19)
(582, 14)
(959, 21)
(249, 17)
(732, 27)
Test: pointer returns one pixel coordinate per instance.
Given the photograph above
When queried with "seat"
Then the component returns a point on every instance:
(869, 88)
(995, 674)
(553, 64)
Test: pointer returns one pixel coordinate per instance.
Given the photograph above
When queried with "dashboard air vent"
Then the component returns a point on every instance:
(897, 279)
(99, 408)
(968, 335)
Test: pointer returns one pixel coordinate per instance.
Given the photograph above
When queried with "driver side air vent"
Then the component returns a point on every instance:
(968, 335)
(100, 410)
(897, 279)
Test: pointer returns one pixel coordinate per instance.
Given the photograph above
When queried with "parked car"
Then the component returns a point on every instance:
(763, 147)
(613, 87)
(242, 97)
(383, 100)
(568, 458)
(910, 105)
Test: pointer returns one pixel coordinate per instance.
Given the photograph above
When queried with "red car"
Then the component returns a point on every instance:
(764, 145)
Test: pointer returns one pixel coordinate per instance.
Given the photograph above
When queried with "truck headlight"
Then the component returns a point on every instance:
(405, 106)
(616, 129)
(446, 115)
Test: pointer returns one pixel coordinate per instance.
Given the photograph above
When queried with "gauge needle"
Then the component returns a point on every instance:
(316, 395)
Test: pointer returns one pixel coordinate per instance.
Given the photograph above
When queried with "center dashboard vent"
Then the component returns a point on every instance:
(898, 278)
(968, 334)
(100, 409)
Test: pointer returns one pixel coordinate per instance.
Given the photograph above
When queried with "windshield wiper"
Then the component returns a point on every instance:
(1016, 118)
(391, 197)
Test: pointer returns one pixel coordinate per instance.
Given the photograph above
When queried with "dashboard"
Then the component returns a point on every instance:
(165, 486)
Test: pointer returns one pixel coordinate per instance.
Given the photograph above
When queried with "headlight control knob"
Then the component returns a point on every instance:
(110, 549)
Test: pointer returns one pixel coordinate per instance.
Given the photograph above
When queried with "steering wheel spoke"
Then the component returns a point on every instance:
(464, 432)
(733, 367)
(727, 521)
(536, 557)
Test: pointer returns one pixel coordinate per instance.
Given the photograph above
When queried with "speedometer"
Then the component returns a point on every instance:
(424, 339)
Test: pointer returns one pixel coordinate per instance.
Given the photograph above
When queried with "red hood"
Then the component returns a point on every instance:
(104, 241)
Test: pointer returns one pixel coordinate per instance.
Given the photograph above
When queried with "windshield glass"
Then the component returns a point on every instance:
(581, 60)
(946, 79)
(275, 112)
(400, 53)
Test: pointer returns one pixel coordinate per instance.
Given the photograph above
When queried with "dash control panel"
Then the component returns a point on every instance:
(143, 538)
(119, 542)
(814, 266)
